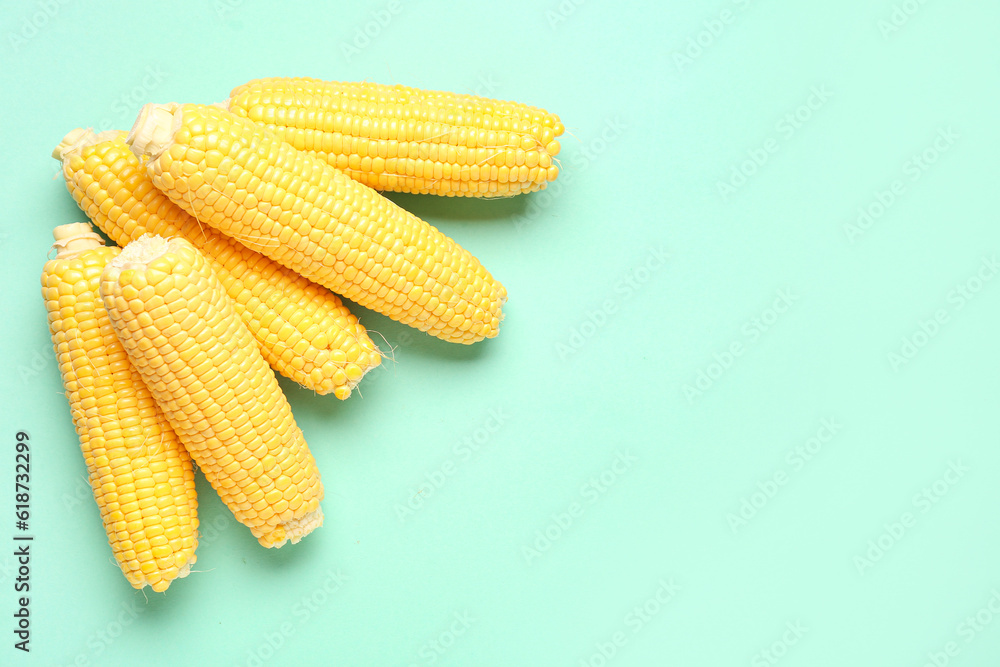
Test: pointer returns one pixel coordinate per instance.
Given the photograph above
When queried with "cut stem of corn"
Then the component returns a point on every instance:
(198, 359)
(304, 331)
(244, 181)
(405, 139)
(142, 477)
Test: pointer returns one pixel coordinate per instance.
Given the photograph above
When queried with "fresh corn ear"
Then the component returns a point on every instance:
(304, 331)
(142, 477)
(198, 359)
(409, 140)
(241, 179)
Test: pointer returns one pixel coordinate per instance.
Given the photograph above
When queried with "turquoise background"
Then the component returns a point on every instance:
(756, 429)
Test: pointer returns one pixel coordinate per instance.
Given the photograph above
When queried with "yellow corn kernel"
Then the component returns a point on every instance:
(110, 185)
(212, 381)
(406, 139)
(310, 217)
(133, 456)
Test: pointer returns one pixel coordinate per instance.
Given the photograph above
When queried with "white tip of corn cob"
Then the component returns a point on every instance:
(185, 570)
(139, 253)
(153, 129)
(79, 139)
(296, 529)
(72, 138)
(74, 238)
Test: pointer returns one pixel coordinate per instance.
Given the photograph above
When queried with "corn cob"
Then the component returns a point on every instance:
(304, 331)
(198, 359)
(241, 179)
(142, 478)
(405, 139)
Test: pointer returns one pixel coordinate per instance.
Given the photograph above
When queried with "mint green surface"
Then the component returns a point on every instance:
(743, 406)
